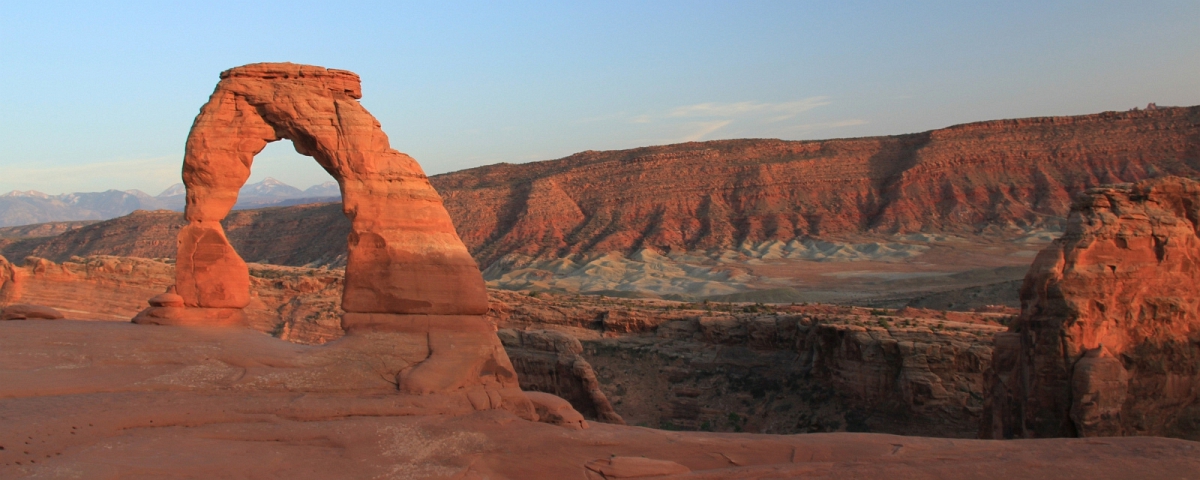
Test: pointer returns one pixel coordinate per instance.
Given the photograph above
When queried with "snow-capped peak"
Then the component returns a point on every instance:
(176, 189)
(27, 193)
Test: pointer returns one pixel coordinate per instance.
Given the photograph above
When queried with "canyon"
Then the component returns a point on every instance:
(844, 221)
(108, 399)
(777, 369)
(726, 372)
(716, 292)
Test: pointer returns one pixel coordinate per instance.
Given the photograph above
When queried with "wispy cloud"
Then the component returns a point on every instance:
(773, 111)
(813, 127)
(710, 120)
(702, 129)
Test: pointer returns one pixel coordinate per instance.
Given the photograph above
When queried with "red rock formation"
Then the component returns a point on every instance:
(553, 409)
(313, 234)
(715, 195)
(294, 303)
(552, 362)
(1108, 341)
(29, 312)
(110, 400)
(404, 258)
(409, 279)
(781, 369)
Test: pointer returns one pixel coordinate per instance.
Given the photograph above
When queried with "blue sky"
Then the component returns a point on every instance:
(101, 95)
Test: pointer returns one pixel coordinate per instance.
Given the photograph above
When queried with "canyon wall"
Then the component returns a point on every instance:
(293, 303)
(721, 194)
(781, 369)
(699, 366)
(313, 234)
(1108, 341)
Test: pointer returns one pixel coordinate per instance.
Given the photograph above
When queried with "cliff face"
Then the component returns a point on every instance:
(698, 366)
(293, 303)
(791, 369)
(812, 221)
(717, 195)
(551, 362)
(1108, 341)
(724, 195)
(313, 234)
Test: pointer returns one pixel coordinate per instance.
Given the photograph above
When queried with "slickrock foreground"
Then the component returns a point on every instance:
(1108, 342)
(721, 367)
(116, 400)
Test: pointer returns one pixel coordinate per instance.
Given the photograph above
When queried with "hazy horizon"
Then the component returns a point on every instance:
(102, 96)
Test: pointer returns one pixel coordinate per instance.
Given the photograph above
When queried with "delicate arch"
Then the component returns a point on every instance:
(404, 255)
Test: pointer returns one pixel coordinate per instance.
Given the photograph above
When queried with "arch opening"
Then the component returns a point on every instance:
(280, 175)
(403, 255)
(409, 278)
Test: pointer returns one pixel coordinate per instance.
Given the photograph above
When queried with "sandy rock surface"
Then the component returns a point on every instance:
(117, 400)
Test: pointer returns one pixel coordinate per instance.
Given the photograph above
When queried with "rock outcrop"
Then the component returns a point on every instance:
(770, 369)
(552, 362)
(1108, 340)
(408, 275)
(297, 304)
(648, 362)
(29, 312)
(115, 400)
(404, 256)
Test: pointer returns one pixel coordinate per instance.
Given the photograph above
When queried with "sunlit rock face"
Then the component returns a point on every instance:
(408, 275)
(1108, 341)
(404, 255)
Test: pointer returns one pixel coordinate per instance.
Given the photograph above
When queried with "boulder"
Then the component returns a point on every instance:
(554, 410)
(29, 312)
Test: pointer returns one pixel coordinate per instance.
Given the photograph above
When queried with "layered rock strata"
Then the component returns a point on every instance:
(723, 195)
(698, 362)
(552, 362)
(720, 195)
(745, 367)
(1108, 340)
(115, 400)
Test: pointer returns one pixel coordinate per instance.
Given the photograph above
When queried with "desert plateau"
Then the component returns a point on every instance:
(793, 241)
(655, 335)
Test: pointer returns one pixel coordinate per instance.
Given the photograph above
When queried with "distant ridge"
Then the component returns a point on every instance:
(32, 207)
(24, 208)
(1005, 175)
(1002, 176)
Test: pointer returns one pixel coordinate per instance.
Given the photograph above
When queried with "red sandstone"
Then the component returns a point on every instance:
(1108, 341)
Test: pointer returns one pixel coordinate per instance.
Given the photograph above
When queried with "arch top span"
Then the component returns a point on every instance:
(404, 258)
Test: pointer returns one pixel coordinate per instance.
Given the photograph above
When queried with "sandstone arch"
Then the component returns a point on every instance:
(408, 274)
(404, 254)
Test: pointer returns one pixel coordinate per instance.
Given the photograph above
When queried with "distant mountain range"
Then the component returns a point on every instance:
(29, 207)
